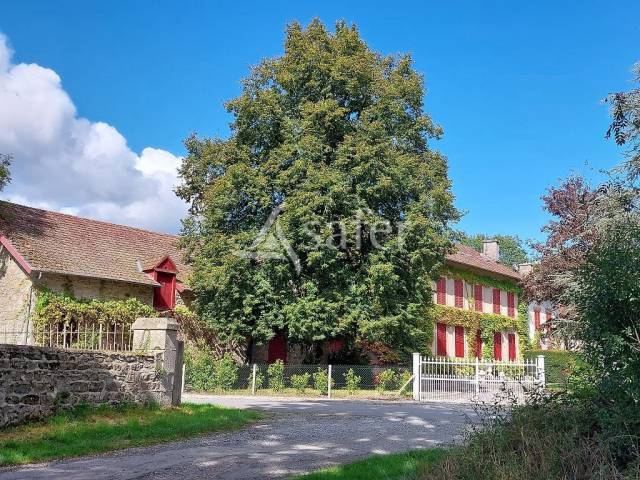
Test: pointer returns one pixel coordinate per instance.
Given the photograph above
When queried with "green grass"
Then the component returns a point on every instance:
(395, 466)
(85, 430)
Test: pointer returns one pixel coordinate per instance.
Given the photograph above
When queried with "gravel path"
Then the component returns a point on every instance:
(296, 436)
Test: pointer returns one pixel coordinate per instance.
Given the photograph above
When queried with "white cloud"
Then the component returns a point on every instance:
(65, 162)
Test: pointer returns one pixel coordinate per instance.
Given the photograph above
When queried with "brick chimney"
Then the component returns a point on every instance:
(491, 249)
(525, 268)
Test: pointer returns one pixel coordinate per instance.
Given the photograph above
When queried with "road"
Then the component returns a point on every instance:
(296, 436)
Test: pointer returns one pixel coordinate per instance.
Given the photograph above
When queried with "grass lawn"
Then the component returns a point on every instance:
(395, 466)
(85, 430)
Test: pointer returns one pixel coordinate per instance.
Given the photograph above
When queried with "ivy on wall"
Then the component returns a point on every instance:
(474, 278)
(63, 308)
(487, 323)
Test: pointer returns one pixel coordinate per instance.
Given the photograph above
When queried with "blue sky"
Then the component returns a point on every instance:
(517, 86)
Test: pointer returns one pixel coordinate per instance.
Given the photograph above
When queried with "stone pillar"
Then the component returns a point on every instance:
(159, 337)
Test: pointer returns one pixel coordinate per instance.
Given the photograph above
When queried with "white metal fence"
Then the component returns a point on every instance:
(475, 380)
(109, 337)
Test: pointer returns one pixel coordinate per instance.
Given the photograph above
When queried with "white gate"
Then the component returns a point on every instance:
(469, 380)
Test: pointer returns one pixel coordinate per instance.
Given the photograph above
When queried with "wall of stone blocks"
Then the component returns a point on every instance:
(37, 381)
(16, 298)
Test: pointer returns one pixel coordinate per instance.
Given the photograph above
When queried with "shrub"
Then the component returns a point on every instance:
(385, 380)
(559, 365)
(260, 381)
(276, 376)
(225, 373)
(403, 379)
(352, 381)
(321, 381)
(199, 369)
(300, 382)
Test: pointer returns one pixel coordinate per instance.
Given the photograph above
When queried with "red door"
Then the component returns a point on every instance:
(164, 296)
(441, 340)
(512, 346)
(277, 349)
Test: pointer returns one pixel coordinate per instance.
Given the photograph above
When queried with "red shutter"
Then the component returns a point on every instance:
(496, 300)
(477, 293)
(511, 304)
(497, 345)
(277, 349)
(441, 340)
(536, 319)
(442, 291)
(478, 344)
(457, 288)
(512, 346)
(459, 341)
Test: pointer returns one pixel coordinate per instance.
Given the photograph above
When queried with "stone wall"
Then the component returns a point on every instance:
(16, 298)
(36, 381)
(95, 288)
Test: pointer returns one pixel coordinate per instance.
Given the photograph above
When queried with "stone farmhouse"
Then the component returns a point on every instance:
(97, 260)
(86, 258)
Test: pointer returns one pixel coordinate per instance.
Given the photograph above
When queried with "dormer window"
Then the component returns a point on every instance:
(164, 272)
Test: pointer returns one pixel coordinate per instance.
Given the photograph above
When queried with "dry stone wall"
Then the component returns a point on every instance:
(36, 381)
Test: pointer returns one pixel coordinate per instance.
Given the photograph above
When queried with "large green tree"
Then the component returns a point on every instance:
(328, 167)
(5, 163)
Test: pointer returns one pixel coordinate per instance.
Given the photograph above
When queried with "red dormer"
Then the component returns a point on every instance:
(164, 272)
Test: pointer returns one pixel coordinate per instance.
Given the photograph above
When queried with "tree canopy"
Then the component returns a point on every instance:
(512, 250)
(5, 163)
(326, 212)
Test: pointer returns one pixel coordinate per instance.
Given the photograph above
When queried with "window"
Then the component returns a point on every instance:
(457, 288)
(477, 293)
(496, 300)
(459, 341)
(511, 304)
(164, 296)
(441, 340)
(442, 291)
(536, 319)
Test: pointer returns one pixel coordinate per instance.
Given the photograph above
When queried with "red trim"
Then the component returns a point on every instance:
(496, 300)
(441, 340)
(511, 304)
(512, 346)
(164, 296)
(497, 345)
(441, 286)
(457, 289)
(536, 319)
(16, 255)
(478, 344)
(477, 293)
(459, 341)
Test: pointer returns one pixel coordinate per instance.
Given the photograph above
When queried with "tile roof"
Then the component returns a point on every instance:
(59, 243)
(468, 257)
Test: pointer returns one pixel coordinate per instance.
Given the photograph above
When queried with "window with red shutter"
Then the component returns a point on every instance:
(441, 286)
(536, 319)
(511, 304)
(497, 345)
(459, 341)
(457, 289)
(478, 344)
(512, 346)
(477, 293)
(441, 340)
(164, 296)
(496, 300)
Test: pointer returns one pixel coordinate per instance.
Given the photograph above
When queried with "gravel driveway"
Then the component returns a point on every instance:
(297, 435)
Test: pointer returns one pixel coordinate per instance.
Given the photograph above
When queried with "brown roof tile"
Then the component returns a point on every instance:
(56, 242)
(468, 257)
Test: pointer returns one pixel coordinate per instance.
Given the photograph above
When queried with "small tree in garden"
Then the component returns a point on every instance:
(225, 373)
(276, 376)
(352, 381)
(385, 380)
(321, 381)
(300, 382)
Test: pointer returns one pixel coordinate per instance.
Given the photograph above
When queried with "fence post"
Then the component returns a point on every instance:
(477, 376)
(329, 385)
(416, 376)
(184, 372)
(253, 380)
(541, 373)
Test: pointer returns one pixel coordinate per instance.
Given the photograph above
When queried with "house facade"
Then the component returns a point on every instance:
(86, 258)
